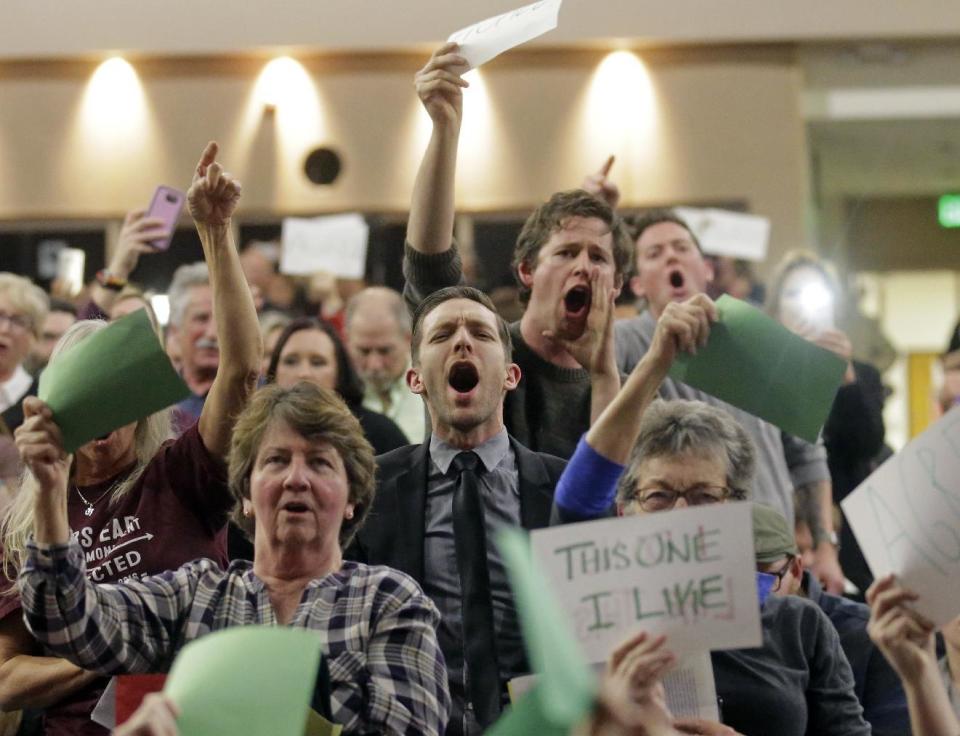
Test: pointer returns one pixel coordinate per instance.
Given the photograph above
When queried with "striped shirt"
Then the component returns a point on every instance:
(378, 629)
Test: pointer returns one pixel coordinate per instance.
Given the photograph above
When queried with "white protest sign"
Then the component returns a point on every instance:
(725, 233)
(689, 573)
(337, 244)
(70, 265)
(489, 38)
(906, 517)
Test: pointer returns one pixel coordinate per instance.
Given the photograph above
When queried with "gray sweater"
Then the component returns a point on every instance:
(784, 462)
(550, 408)
(798, 683)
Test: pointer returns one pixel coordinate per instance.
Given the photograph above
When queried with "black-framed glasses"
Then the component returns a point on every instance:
(661, 498)
(780, 574)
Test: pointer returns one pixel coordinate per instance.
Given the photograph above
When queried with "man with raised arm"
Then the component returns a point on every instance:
(569, 260)
(670, 269)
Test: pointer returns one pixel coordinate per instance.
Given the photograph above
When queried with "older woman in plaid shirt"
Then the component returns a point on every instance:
(304, 475)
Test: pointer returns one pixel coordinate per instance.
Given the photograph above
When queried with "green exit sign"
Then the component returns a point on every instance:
(948, 210)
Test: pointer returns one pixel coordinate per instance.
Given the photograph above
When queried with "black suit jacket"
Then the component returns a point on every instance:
(394, 530)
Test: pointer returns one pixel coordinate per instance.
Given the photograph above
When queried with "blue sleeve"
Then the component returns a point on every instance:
(588, 486)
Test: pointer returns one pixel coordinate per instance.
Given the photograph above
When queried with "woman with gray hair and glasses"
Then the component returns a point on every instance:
(654, 457)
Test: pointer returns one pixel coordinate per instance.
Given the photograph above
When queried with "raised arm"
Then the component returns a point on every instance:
(136, 235)
(906, 640)
(96, 627)
(588, 484)
(681, 328)
(430, 262)
(440, 88)
(212, 198)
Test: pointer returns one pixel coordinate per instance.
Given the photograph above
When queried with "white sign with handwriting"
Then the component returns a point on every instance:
(726, 233)
(483, 41)
(906, 518)
(337, 244)
(688, 573)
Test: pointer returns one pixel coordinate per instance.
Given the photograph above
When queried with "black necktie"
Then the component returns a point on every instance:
(480, 654)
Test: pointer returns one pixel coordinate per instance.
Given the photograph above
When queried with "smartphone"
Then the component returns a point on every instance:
(166, 205)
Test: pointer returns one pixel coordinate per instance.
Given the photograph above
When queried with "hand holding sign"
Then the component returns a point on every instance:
(683, 327)
(440, 86)
(906, 518)
(904, 636)
(40, 445)
(483, 41)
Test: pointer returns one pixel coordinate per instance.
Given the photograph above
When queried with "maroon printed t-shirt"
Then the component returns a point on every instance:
(176, 512)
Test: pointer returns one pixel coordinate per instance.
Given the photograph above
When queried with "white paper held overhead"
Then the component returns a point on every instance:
(906, 517)
(337, 244)
(483, 41)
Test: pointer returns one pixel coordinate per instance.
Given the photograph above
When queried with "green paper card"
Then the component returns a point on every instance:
(566, 686)
(756, 364)
(251, 680)
(114, 377)
(527, 717)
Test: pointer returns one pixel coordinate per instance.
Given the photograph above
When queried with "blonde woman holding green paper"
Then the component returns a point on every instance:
(136, 503)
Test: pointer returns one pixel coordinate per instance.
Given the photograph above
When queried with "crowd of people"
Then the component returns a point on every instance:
(344, 467)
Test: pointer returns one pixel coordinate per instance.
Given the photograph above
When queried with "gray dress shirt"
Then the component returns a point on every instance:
(499, 485)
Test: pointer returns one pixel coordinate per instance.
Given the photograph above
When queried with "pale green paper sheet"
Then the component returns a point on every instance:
(758, 365)
(250, 680)
(566, 687)
(114, 377)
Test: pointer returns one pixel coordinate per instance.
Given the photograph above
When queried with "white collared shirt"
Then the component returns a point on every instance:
(406, 409)
(13, 390)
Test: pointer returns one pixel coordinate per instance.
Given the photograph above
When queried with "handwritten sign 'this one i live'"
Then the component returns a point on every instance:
(689, 573)
(906, 517)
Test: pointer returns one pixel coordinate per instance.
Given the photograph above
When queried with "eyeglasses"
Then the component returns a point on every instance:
(780, 574)
(661, 498)
(16, 322)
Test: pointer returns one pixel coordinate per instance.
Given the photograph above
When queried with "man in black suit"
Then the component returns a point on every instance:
(439, 503)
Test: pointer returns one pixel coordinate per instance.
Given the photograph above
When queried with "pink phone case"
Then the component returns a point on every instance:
(166, 204)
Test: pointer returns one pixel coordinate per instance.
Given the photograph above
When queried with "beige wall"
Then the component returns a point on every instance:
(723, 128)
(902, 233)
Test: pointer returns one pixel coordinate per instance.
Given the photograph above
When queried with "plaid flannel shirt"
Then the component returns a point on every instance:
(378, 629)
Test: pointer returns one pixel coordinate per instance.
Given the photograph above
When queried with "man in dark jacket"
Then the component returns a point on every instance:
(439, 503)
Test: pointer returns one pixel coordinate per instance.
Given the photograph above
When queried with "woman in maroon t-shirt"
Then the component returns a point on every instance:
(140, 504)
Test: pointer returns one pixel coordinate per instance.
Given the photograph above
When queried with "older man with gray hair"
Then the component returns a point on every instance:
(194, 333)
(378, 339)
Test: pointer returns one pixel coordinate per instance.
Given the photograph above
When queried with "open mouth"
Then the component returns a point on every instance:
(676, 279)
(577, 300)
(463, 377)
(295, 508)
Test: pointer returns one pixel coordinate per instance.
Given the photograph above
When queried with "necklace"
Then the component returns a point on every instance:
(88, 511)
